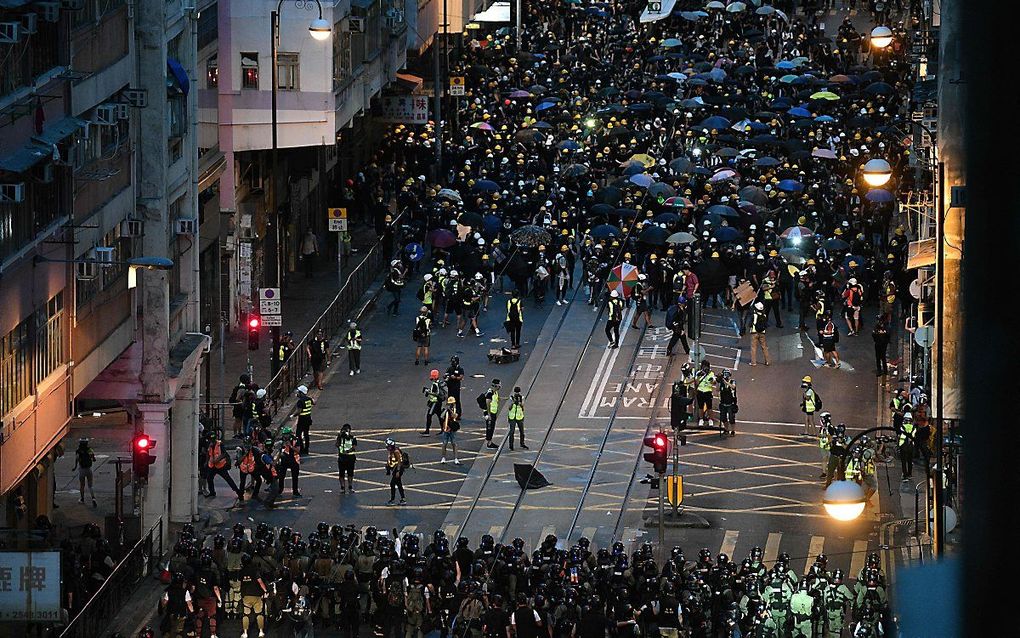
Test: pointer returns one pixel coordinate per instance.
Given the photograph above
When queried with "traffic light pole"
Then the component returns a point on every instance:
(662, 521)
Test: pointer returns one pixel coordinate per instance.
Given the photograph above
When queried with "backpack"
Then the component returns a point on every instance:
(415, 600)
(482, 402)
(406, 459)
(395, 594)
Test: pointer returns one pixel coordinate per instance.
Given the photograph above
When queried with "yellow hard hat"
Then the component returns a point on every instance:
(806, 379)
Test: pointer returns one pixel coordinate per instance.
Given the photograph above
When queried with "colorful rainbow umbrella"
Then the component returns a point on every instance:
(622, 279)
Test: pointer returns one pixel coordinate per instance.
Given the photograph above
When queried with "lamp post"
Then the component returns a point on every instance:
(845, 500)
(881, 37)
(319, 29)
(877, 172)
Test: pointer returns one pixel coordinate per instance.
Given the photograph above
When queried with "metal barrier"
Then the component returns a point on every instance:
(142, 561)
(332, 321)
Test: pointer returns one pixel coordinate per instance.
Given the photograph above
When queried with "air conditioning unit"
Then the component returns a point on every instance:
(47, 173)
(104, 255)
(86, 270)
(357, 25)
(50, 10)
(9, 32)
(72, 5)
(29, 22)
(187, 226)
(122, 111)
(12, 193)
(106, 115)
(131, 228)
(138, 98)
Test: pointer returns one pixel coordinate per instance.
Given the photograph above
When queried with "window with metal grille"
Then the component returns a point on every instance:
(250, 70)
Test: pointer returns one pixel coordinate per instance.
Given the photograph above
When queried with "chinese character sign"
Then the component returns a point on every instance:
(30, 586)
(405, 109)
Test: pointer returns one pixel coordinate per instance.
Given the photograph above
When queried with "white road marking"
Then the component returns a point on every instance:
(729, 543)
(605, 374)
(857, 560)
(772, 548)
(814, 549)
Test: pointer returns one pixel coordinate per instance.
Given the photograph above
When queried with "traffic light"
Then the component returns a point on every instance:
(141, 445)
(659, 443)
(679, 404)
(254, 324)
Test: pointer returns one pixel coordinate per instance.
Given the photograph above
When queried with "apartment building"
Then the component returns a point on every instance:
(99, 169)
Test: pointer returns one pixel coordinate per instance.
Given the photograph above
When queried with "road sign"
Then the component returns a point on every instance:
(457, 85)
(675, 489)
(925, 336)
(272, 321)
(269, 301)
(337, 219)
(655, 6)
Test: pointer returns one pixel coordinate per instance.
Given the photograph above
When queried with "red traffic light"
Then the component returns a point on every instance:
(254, 322)
(142, 442)
(660, 440)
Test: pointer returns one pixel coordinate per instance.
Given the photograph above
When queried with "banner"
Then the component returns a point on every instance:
(405, 109)
(30, 586)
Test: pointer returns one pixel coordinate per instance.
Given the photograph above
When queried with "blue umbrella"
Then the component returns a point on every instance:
(880, 196)
(716, 122)
(669, 43)
(780, 104)
(767, 162)
(717, 74)
(799, 111)
(633, 168)
(605, 231)
(542, 125)
(568, 145)
(544, 105)
(790, 186)
(666, 218)
(679, 77)
(644, 180)
(825, 118)
(785, 65)
(726, 233)
(486, 186)
(491, 224)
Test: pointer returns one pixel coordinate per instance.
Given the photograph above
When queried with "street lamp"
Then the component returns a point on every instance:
(844, 500)
(881, 37)
(320, 30)
(877, 172)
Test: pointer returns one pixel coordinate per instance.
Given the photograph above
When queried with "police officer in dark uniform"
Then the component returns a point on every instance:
(454, 377)
(177, 605)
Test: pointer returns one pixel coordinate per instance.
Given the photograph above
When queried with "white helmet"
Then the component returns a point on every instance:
(759, 306)
(260, 393)
(478, 276)
(428, 276)
(852, 281)
(302, 389)
(454, 273)
(614, 294)
(442, 271)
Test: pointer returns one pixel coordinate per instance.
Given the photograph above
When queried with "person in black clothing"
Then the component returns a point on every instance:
(525, 621)
(84, 458)
(880, 334)
(318, 354)
(454, 377)
(394, 285)
(290, 459)
(676, 321)
(237, 399)
(496, 621)
(593, 623)
(253, 591)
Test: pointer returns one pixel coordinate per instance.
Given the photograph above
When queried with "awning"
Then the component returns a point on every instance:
(24, 158)
(179, 74)
(59, 131)
(666, 8)
(13, 4)
(409, 81)
(498, 12)
(42, 145)
(362, 4)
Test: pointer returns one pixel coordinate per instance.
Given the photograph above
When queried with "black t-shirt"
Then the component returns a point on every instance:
(592, 624)
(84, 457)
(452, 383)
(250, 581)
(205, 580)
(524, 622)
(495, 621)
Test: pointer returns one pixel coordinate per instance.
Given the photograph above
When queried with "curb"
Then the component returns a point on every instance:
(686, 520)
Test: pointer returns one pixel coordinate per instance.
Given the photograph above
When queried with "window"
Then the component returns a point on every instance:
(30, 352)
(249, 71)
(287, 70)
(341, 55)
(208, 26)
(212, 73)
(86, 291)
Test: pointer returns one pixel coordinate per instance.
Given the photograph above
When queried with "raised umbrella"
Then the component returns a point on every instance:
(622, 279)
(767, 162)
(680, 165)
(724, 174)
(528, 135)
(485, 186)
(450, 194)
(836, 244)
(799, 111)
(644, 158)
(644, 180)
(726, 233)
(679, 202)
(879, 88)
(723, 210)
(604, 210)
(790, 186)
(530, 236)
(727, 151)
(468, 218)
(519, 93)
(714, 122)
(735, 7)
(793, 256)
(542, 125)
(633, 168)
(483, 126)
(660, 189)
(824, 153)
(666, 218)
(605, 231)
(574, 170)
(568, 145)
(879, 196)
(825, 95)
(609, 195)
(653, 235)
(670, 43)
(797, 233)
(442, 238)
(681, 238)
(754, 194)
(492, 224)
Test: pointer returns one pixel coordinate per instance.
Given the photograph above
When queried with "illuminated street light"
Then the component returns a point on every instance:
(877, 172)
(881, 37)
(844, 500)
(319, 28)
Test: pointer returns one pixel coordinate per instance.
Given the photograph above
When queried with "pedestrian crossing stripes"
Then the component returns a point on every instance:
(408, 529)
(814, 549)
(496, 531)
(546, 531)
(857, 560)
(450, 530)
(589, 532)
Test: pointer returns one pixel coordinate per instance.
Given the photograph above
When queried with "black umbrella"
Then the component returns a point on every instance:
(474, 220)
(654, 235)
(609, 195)
(602, 209)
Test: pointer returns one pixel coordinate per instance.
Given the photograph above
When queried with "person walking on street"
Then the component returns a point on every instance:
(177, 605)
(282, 353)
(771, 294)
(613, 319)
(759, 323)
(354, 341)
(514, 318)
(704, 382)
(435, 396)
(309, 251)
(561, 275)
(396, 463)
(825, 432)
(303, 412)
(84, 459)
(237, 399)
(454, 378)
(346, 455)
(490, 407)
(395, 285)
(253, 594)
(218, 464)
(676, 321)
(728, 403)
(422, 335)
(515, 414)
(880, 335)
(318, 355)
(450, 425)
(830, 337)
(810, 403)
(853, 299)
(427, 293)
(639, 293)
(906, 445)
(290, 459)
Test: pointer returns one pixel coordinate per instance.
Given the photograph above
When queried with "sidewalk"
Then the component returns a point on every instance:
(303, 301)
